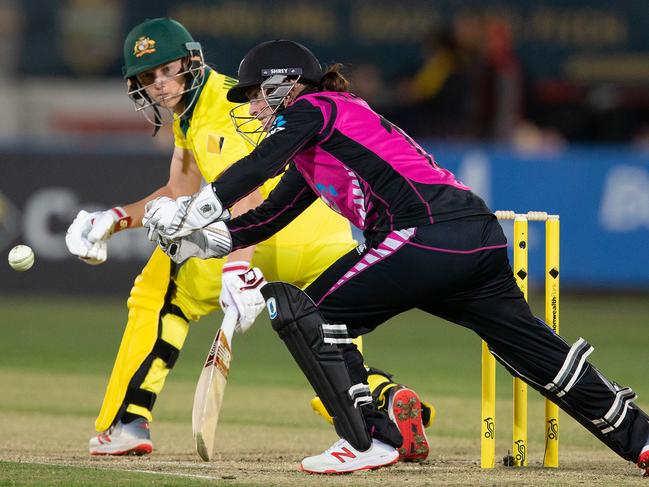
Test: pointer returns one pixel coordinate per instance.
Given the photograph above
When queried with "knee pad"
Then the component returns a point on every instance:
(571, 369)
(575, 372)
(315, 346)
(600, 405)
(617, 412)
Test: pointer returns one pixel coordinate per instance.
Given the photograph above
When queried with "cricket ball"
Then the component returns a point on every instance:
(21, 258)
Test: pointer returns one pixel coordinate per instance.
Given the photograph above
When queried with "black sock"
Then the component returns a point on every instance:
(130, 417)
(380, 426)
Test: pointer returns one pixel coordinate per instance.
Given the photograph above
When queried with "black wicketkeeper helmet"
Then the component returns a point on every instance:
(278, 57)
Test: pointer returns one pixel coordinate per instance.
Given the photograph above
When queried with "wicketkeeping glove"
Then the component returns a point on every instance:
(212, 241)
(240, 288)
(174, 220)
(88, 234)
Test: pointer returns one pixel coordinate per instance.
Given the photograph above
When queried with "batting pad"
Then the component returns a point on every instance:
(300, 325)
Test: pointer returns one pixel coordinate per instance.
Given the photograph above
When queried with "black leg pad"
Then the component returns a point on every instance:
(299, 324)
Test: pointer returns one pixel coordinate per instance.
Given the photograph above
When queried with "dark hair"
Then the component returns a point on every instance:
(333, 80)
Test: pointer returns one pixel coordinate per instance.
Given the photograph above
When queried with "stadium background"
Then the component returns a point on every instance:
(561, 122)
(550, 111)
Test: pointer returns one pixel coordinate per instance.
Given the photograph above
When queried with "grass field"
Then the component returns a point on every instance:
(57, 354)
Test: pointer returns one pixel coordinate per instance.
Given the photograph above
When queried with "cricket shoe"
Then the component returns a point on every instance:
(132, 438)
(405, 409)
(344, 458)
(643, 460)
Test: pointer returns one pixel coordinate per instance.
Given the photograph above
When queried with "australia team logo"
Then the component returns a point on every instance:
(278, 125)
(143, 45)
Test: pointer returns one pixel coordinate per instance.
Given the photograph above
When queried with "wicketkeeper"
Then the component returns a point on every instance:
(431, 243)
(169, 83)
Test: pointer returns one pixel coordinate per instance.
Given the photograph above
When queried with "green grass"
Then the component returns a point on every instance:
(81, 337)
(57, 354)
(17, 474)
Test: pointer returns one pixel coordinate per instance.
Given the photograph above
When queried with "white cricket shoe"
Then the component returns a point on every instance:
(133, 438)
(344, 458)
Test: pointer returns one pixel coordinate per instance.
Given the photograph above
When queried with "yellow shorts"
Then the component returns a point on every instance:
(198, 282)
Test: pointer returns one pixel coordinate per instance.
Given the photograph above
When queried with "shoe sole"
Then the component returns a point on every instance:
(138, 450)
(342, 472)
(405, 410)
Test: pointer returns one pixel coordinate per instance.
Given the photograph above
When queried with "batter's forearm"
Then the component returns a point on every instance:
(136, 210)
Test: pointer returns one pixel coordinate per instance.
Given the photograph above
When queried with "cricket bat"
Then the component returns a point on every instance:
(210, 389)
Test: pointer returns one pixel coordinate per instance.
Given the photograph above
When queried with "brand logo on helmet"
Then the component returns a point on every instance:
(286, 71)
(143, 46)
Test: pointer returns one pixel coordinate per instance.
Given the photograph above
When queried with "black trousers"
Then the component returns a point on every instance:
(459, 271)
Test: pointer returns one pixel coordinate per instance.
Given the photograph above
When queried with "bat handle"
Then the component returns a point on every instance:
(229, 323)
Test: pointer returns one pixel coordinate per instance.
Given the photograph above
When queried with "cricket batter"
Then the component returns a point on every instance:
(169, 83)
(431, 243)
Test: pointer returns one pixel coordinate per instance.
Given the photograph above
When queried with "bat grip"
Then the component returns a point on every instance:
(229, 323)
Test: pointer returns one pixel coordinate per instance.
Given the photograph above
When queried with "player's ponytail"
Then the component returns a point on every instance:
(333, 80)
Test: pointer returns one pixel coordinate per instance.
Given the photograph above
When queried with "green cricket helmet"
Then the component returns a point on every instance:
(156, 42)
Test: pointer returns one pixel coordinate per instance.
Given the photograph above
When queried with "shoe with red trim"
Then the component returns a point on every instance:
(404, 408)
(132, 438)
(341, 457)
(643, 460)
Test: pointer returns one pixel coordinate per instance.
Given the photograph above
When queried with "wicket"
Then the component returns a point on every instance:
(519, 450)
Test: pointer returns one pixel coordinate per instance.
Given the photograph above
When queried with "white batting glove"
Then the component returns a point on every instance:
(158, 212)
(86, 237)
(240, 289)
(107, 223)
(176, 219)
(212, 241)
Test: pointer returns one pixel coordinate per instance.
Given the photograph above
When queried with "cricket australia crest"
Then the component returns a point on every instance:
(143, 45)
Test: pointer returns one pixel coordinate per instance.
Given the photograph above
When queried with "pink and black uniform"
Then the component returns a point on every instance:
(360, 164)
(431, 243)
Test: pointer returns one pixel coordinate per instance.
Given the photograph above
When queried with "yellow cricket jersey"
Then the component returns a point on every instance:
(215, 144)
(298, 254)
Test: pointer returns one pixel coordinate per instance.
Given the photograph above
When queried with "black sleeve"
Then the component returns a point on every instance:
(286, 201)
(293, 129)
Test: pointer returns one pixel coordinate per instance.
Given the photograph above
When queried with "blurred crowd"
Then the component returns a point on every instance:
(476, 75)
(470, 85)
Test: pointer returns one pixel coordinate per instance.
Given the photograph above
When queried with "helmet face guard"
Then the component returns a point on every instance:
(273, 91)
(192, 68)
(273, 67)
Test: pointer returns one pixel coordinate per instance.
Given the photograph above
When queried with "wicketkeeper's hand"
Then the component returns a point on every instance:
(212, 241)
(88, 234)
(173, 220)
(240, 288)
